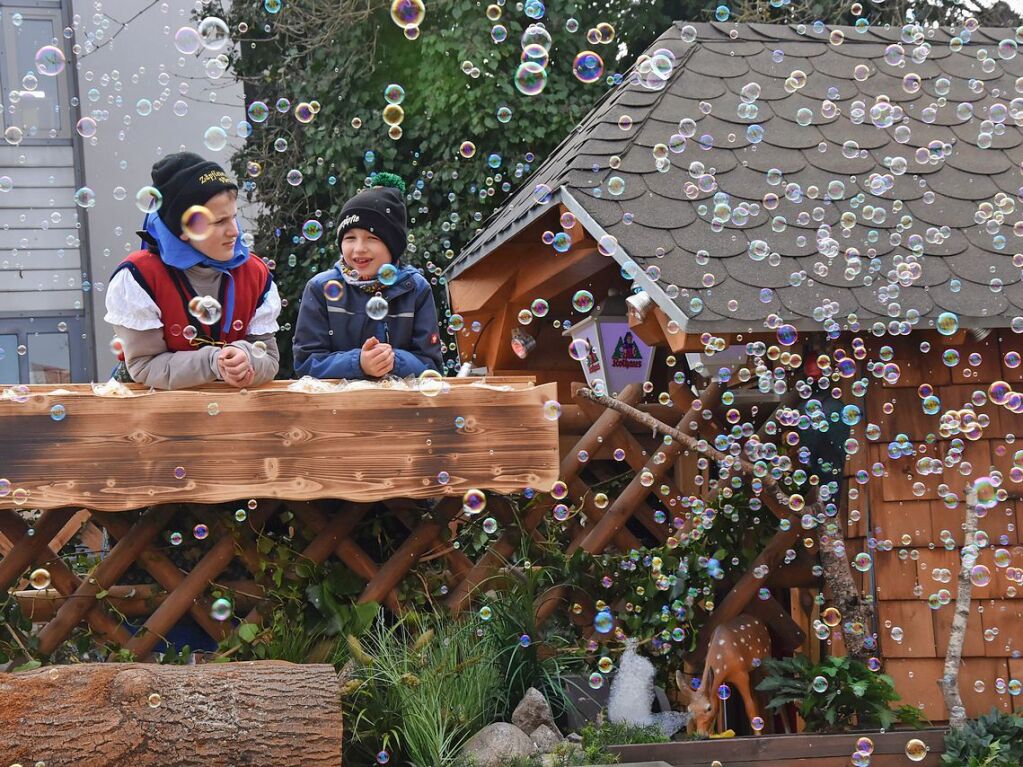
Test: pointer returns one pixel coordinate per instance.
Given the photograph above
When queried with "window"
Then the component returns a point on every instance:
(37, 103)
(39, 350)
(49, 358)
(9, 359)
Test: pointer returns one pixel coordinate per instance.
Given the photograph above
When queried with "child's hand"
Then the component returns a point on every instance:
(376, 358)
(235, 367)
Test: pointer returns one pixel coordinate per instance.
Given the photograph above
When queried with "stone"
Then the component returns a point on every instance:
(497, 743)
(545, 739)
(532, 711)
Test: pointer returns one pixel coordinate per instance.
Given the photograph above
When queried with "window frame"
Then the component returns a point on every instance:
(26, 326)
(9, 80)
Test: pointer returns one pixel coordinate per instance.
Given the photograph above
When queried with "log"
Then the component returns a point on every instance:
(103, 715)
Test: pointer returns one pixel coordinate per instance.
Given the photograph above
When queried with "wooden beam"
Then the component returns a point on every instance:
(119, 454)
(550, 273)
(472, 290)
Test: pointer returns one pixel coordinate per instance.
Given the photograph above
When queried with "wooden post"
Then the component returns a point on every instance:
(147, 715)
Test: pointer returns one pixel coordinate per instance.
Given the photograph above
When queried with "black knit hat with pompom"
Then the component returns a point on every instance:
(380, 210)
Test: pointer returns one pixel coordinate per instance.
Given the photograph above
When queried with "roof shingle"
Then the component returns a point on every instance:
(929, 171)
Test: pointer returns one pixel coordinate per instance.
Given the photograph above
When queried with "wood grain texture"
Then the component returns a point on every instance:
(213, 715)
(366, 444)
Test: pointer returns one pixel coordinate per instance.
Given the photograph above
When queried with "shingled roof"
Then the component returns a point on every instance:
(932, 176)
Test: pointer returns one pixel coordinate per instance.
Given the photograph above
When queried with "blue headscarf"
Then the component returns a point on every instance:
(181, 255)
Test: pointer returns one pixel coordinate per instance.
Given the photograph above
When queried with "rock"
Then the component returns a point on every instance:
(532, 711)
(574, 737)
(545, 739)
(497, 743)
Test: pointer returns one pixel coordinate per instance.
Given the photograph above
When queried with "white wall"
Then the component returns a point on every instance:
(140, 62)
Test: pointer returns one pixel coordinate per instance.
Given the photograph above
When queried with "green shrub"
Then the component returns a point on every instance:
(993, 740)
(422, 688)
(851, 696)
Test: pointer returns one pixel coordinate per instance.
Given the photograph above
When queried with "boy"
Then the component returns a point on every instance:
(344, 330)
(195, 306)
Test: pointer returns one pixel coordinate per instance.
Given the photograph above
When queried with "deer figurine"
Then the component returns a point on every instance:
(734, 647)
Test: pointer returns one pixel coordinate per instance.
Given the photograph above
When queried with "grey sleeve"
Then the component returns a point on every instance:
(265, 365)
(150, 364)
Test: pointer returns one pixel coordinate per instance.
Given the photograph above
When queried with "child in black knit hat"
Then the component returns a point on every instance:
(368, 316)
(194, 305)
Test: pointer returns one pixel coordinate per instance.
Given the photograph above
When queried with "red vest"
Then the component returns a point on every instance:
(170, 290)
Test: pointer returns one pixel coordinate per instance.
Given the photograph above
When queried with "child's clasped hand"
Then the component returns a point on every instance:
(376, 358)
(235, 366)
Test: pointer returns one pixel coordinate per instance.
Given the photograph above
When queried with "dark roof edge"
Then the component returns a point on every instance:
(653, 289)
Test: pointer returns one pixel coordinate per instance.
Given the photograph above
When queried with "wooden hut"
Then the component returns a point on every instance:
(819, 190)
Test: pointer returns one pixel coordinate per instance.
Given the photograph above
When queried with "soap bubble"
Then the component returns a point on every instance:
(947, 323)
(214, 33)
(215, 138)
(530, 78)
(552, 410)
(724, 692)
(201, 532)
(388, 274)
(603, 622)
(187, 41)
(50, 60)
(383, 757)
(980, 575)
(394, 94)
(862, 561)
(197, 222)
(916, 750)
(39, 578)
(579, 349)
(377, 307)
(206, 309)
(58, 412)
(474, 501)
(312, 230)
(596, 680)
(221, 609)
(148, 199)
(85, 197)
(86, 127)
(819, 684)
(588, 67)
(258, 111)
(408, 13)
(582, 301)
(333, 290)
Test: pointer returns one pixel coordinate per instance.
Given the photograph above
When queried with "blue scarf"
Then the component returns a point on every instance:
(181, 255)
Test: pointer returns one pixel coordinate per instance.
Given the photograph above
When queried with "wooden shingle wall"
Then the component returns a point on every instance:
(905, 509)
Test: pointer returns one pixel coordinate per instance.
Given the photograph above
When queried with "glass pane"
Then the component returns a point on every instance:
(49, 358)
(9, 359)
(38, 109)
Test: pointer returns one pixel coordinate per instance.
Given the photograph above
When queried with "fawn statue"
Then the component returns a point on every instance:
(736, 648)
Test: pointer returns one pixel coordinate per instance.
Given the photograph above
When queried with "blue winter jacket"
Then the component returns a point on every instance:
(329, 334)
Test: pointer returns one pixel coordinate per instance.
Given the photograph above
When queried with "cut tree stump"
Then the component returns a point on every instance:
(142, 715)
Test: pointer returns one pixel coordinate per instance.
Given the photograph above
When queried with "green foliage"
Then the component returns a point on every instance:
(853, 697)
(606, 734)
(546, 655)
(993, 740)
(343, 56)
(420, 689)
